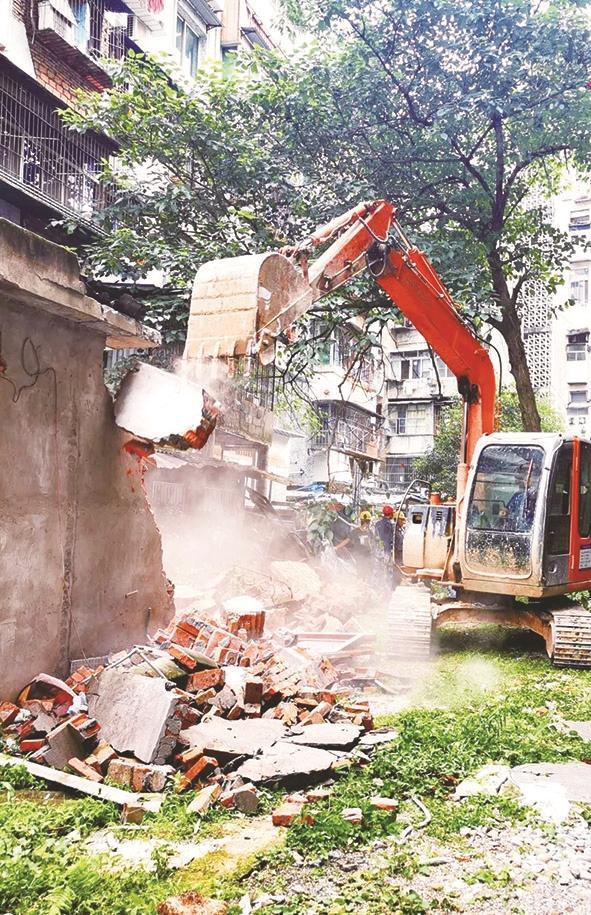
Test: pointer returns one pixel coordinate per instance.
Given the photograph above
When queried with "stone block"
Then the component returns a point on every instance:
(133, 711)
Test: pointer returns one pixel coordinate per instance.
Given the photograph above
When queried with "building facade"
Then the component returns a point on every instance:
(418, 384)
(347, 442)
(51, 48)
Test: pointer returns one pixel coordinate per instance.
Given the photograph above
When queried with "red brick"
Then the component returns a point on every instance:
(201, 767)
(289, 811)
(206, 679)
(184, 659)
(31, 744)
(83, 769)
(8, 712)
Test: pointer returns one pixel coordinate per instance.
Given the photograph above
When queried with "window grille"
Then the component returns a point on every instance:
(345, 427)
(42, 157)
(399, 469)
(576, 346)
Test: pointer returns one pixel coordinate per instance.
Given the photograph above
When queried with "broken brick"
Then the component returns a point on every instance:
(8, 712)
(286, 813)
(384, 803)
(81, 768)
(199, 770)
(205, 680)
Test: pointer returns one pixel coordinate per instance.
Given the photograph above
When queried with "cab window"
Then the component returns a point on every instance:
(559, 496)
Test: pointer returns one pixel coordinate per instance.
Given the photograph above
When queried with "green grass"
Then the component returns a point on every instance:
(477, 707)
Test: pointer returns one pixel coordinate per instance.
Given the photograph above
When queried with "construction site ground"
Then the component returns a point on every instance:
(489, 697)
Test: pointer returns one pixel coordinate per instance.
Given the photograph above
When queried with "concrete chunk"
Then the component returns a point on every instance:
(234, 738)
(285, 761)
(330, 736)
(133, 711)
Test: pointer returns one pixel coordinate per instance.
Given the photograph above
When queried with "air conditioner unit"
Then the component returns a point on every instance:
(137, 30)
(56, 16)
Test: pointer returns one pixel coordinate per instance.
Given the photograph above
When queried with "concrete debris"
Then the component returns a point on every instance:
(283, 762)
(160, 406)
(135, 713)
(582, 728)
(329, 736)
(487, 780)
(551, 787)
(212, 704)
(234, 738)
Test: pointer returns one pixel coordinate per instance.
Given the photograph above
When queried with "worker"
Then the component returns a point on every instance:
(518, 514)
(385, 530)
(364, 522)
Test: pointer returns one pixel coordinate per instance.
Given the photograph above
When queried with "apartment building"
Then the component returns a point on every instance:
(51, 48)
(418, 384)
(571, 326)
(346, 391)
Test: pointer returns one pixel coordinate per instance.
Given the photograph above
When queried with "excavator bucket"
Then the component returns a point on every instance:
(241, 304)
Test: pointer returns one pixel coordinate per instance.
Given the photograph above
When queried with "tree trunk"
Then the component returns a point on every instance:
(510, 329)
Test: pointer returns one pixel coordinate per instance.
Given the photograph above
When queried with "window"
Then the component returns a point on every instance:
(442, 368)
(399, 469)
(411, 419)
(578, 394)
(502, 509)
(557, 530)
(505, 488)
(413, 364)
(187, 47)
(398, 420)
(585, 491)
(576, 346)
(579, 285)
(580, 219)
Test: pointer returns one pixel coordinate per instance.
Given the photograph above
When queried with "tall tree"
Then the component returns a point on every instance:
(461, 111)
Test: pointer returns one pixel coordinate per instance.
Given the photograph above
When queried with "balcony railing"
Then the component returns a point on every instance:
(82, 32)
(40, 156)
(347, 428)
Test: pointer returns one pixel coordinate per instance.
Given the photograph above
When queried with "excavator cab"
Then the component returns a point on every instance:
(526, 521)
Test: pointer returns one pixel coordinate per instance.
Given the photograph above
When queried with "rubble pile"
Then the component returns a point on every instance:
(212, 703)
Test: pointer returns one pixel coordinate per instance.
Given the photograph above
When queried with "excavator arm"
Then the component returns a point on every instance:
(241, 305)
(371, 238)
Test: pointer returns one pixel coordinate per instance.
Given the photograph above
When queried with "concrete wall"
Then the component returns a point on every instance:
(80, 553)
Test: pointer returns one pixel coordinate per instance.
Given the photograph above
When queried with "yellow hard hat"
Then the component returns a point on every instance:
(365, 516)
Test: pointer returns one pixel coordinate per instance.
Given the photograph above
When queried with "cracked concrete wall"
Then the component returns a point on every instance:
(80, 552)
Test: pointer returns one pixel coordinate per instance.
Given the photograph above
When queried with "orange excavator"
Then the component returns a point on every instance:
(520, 526)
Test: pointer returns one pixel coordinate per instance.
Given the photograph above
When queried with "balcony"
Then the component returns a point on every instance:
(40, 158)
(83, 32)
(348, 428)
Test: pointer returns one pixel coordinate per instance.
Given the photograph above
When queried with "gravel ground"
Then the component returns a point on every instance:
(526, 870)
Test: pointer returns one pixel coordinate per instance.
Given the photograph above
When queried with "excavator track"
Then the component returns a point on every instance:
(410, 624)
(570, 644)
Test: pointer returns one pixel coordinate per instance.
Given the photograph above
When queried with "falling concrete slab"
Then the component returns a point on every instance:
(245, 737)
(287, 762)
(134, 712)
(329, 736)
(155, 405)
